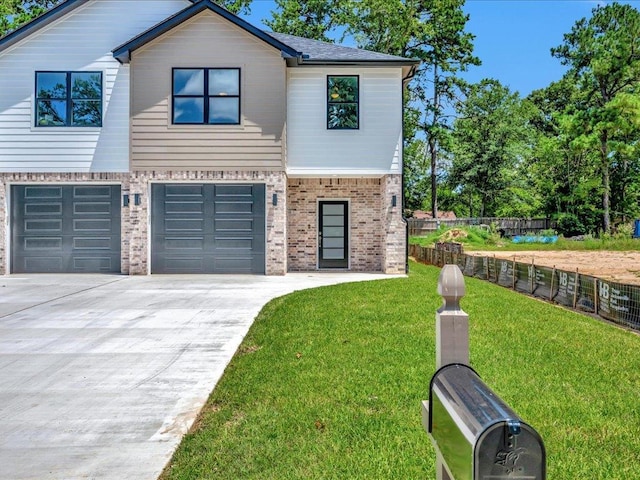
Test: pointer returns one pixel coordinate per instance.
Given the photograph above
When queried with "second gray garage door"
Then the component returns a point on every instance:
(208, 228)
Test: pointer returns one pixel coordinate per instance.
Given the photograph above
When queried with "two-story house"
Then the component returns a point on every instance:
(171, 136)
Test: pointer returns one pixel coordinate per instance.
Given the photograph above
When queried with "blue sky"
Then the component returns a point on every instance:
(513, 37)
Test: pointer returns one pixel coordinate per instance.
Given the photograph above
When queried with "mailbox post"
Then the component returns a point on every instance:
(476, 435)
(452, 337)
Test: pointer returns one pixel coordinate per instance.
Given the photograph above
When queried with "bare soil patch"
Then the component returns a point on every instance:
(622, 267)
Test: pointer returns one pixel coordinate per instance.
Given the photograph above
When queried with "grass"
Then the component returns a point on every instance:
(328, 385)
(481, 239)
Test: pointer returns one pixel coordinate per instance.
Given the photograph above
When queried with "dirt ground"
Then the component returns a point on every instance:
(622, 267)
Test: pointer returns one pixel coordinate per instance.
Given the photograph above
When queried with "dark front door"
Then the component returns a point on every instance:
(208, 228)
(333, 235)
(65, 228)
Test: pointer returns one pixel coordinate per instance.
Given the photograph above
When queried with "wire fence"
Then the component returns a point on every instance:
(616, 302)
(509, 227)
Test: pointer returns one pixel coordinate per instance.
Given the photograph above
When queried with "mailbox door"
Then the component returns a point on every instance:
(502, 455)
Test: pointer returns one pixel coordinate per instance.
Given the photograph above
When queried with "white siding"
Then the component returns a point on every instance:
(372, 150)
(81, 40)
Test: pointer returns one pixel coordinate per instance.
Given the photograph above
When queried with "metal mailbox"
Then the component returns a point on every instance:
(478, 436)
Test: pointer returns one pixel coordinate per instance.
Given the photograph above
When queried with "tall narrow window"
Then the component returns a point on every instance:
(343, 98)
(206, 96)
(68, 99)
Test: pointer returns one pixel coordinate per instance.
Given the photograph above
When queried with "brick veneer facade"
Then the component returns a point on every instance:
(135, 218)
(377, 238)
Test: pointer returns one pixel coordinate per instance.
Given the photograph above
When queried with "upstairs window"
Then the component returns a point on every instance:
(343, 98)
(206, 96)
(68, 99)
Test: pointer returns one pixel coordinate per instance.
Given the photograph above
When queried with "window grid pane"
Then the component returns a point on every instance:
(71, 99)
(188, 110)
(224, 110)
(188, 82)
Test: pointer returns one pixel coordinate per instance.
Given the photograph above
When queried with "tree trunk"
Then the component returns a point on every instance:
(606, 186)
(433, 147)
(434, 182)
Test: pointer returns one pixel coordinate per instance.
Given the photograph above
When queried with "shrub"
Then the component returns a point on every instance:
(570, 225)
(624, 230)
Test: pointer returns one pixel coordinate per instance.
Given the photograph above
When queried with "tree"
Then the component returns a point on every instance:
(490, 139)
(603, 54)
(14, 13)
(310, 19)
(447, 50)
(563, 176)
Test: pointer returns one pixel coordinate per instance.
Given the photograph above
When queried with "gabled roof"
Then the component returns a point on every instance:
(123, 52)
(317, 52)
(297, 50)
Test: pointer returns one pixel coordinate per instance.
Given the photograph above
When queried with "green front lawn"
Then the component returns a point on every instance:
(328, 384)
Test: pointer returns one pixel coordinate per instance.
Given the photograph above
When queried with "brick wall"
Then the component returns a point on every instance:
(276, 259)
(135, 218)
(376, 229)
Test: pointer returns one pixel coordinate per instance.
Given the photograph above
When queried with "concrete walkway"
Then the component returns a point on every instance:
(100, 376)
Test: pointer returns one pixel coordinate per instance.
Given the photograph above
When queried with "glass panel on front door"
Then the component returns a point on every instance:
(333, 241)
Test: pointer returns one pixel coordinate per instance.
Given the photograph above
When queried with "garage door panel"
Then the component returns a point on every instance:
(42, 264)
(226, 237)
(94, 264)
(184, 225)
(37, 192)
(92, 225)
(92, 208)
(38, 209)
(184, 207)
(79, 231)
(182, 264)
(94, 191)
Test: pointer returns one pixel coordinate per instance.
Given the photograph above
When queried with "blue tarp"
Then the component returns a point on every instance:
(535, 239)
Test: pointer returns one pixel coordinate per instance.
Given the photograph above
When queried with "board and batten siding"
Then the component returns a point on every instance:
(372, 150)
(208, 41)
(82, 40)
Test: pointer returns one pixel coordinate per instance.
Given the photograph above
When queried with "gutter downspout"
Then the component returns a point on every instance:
(405, 82)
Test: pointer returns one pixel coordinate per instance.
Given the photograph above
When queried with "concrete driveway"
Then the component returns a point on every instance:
(100, 376)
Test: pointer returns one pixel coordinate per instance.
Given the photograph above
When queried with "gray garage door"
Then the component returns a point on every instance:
(65, 228)
(208, 228)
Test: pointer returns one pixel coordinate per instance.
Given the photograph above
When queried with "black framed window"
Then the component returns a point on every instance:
(68, 99)
(209, 96)
(343, 102)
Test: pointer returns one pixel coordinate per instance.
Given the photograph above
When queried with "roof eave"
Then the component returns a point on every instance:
(123, 52)
(37, 23)
(297, 62)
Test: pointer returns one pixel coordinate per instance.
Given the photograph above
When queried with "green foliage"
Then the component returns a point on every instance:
(313, 19)
(488, 140)
(328, 384)
(603, 53)
(570, 225)
(624, 231)
(14, 13)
